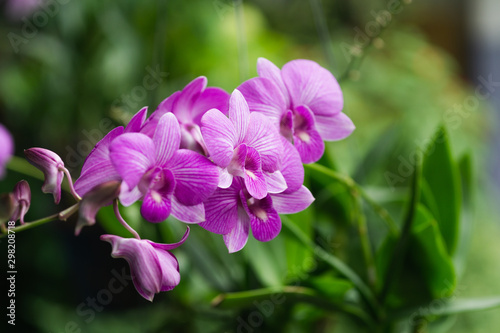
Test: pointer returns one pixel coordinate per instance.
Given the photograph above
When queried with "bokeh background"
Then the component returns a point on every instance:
(71, 70)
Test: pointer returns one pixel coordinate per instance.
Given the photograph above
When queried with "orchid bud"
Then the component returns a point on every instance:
(22, 200)
(52, 167)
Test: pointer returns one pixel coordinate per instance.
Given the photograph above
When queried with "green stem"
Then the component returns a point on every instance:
(54, 217)
(334, 262)
(365, 242)
(355, 188)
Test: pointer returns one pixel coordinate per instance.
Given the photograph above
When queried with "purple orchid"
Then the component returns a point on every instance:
(21, 201)
(303, 100)
(189, 105)
(245, 145)
(168, 179)
(6, 149)
(232, 212)
(97, 168)
(153, 267)
(52, 167)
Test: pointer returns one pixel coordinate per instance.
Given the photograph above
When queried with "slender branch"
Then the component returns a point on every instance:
(355, 188)
(61, 216)
(116, 209)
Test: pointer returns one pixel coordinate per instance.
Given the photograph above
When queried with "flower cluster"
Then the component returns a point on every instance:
(228, 162)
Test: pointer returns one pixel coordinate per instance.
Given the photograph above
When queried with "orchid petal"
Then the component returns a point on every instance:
(6, 148)
(184, 104)
(239, 114)
(264, 97)
(275, 182)
(336, 127)
(266, 69)
(291, 167)
(101, 149)
(188, 214)
(132, 154)
(236, 239)
(196, 177)
(290, 203)
(167, 138)
(165, 247)
(52, 167)
(210, 98)
(129, 196)
(307, 140)
(310, 84)
(254, 178)
(156, 206)
(221, 210)
(264, 220)
(135, 124)
(98, 173)
(170, 276)
(264, 137)
(225, 178)
(219, 135)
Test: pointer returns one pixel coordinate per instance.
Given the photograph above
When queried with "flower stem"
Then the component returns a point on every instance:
(71, 187)
(63, 215)
(116, 209)
(357, 189)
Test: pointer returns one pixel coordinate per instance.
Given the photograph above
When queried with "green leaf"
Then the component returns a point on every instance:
(429, 252)
(441, 174)
(467, 305)
(331, 286)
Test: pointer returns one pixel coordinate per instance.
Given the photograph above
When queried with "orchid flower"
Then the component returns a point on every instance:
(6, 149)
(245, 145)
(166, 178)
(189, 105)
(153, 267)
(303, 100)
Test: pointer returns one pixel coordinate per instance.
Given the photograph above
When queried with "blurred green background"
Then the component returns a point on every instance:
(71, 70)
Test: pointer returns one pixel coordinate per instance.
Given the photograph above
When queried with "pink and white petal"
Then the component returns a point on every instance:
(225, 178)
(291, 203)
(264, 137)
(219, 135)
(306, 138)
(132, 154)
(169, 266)
(167, 138)
(221, 210)
(237, 165)
(264, 220)
(196, 177)
(239, 114)
(187, 214)
(310, 84)
(210, 98)
(129, 196)
(254, 178)
(97, 174)
(275, 181)
(101, 150)
(155, 207)
(266, 69)
(143, 262)
(310, 146)
(184, 104)
(291, 167)
(135, 124)
(336, 127)
(237, 238)
(263, 96)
